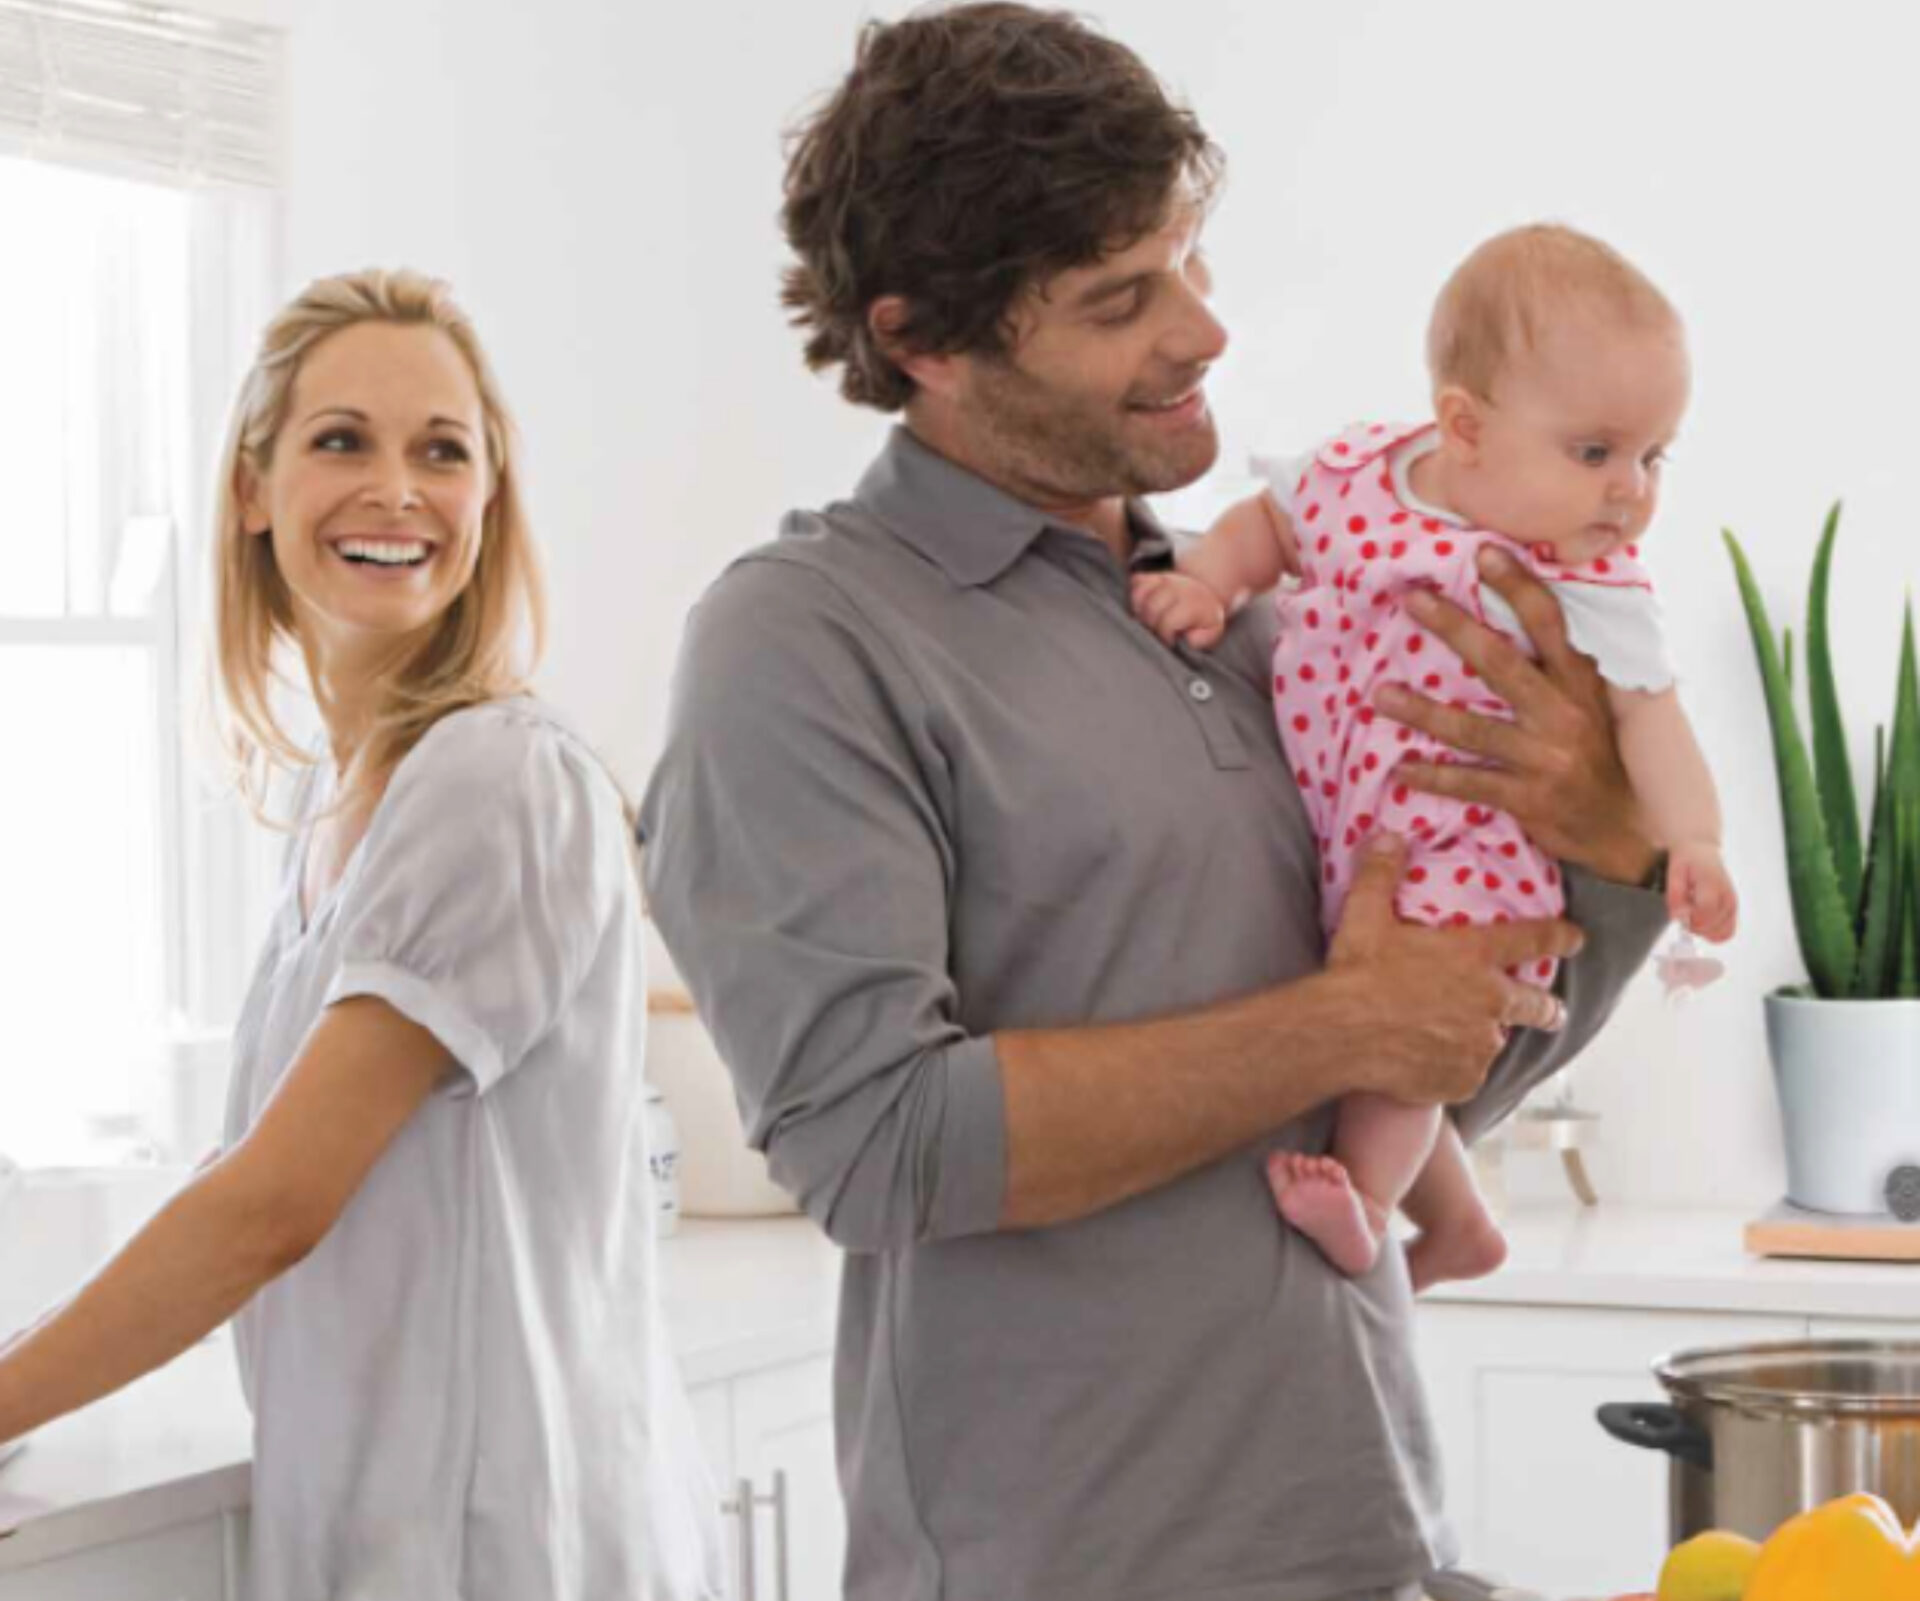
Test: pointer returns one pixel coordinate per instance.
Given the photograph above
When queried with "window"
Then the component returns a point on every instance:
(130, 293)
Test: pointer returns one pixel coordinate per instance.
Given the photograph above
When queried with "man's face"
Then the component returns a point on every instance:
(1100, 393)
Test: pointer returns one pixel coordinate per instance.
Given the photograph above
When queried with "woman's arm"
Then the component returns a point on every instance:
(238, 1225)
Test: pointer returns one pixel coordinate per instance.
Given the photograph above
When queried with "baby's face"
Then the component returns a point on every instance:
(1573, 439)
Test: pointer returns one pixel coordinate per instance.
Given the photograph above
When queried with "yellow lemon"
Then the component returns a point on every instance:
(1714, 1566)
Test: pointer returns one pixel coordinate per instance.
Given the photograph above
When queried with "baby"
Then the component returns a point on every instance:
(1560, 376)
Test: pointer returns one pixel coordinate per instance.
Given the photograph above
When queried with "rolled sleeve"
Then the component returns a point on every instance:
(1621, 924)
(799, 870)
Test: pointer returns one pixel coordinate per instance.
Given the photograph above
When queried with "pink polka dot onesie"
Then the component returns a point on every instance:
(1365, 541)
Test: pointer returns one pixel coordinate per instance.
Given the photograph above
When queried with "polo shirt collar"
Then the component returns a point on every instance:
(968, 528)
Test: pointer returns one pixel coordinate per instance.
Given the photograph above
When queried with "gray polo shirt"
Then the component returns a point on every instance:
(926, 779)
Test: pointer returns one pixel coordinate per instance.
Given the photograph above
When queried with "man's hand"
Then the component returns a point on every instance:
(1555, 767)
(1438, 1002)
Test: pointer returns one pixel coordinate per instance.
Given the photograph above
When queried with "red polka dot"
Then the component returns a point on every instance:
(1494, 880)
(1342, 449)
(1476, 815)
(1431, 681)
(1431, 524)
(1371, 640)
(1350, 838)
(1321, 544)
(1545, 969)
(1633, 552)
(1444, 548)
(1404, 735)
(1302, 723)
(1353, 697)
(1415, 645)
(1313, 619)
(1346, 488)
(1329, 871)
(1346, 625)
(1353, 775)
(1421, 826)
(1400, 795)
(1377, 428)
(1312, 511)
(1459, 920)
(1366, 714)
(1462, 874)
(1468, 670)
(1509, 850)
(1356, 525)
(1370, 762)
(1279, 684)
(1397, 549)
(1397, 518)
(1553, 874)
(1364, 821)
(1303, 778)
(1345, 674)
(1386, 483)
(1528, 887)
(1603, 565)
(1329, 789)
(1332, 701)
(1306, 672)
(1416, 875)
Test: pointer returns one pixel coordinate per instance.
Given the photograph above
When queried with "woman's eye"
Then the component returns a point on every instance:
(337, 440)
(448, 451)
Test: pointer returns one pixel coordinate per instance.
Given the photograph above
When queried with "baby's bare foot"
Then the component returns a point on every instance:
(1469, 1249)
(1315, 1195)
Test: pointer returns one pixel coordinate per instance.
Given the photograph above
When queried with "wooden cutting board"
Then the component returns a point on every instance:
(1789, 1231)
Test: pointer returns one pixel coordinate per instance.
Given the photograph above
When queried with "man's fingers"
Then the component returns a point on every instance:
(1529, 1006)
(1375, 882)
(1487, 786)
(1532, 603)
(1462, 730)
(1519, 944)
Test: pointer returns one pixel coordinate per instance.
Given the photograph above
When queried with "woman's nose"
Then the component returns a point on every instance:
(390, 484)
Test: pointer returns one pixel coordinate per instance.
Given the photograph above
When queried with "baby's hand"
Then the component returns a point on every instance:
(1175, 605)
(1700, 895)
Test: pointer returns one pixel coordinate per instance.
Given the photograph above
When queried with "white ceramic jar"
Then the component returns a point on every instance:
(663, 1161)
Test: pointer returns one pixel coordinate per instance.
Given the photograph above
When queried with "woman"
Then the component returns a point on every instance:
(430, 1215)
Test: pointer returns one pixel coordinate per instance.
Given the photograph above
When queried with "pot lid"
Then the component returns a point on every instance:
(1879, 1378)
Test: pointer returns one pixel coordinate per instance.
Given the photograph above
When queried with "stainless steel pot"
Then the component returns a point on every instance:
(1758, 1433)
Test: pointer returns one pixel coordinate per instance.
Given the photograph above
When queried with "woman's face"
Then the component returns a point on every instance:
(377, 488)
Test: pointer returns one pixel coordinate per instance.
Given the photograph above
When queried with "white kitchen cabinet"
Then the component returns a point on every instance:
(1830, 1328)
(769, 1439)
(1540, 1494)
(185, 1563)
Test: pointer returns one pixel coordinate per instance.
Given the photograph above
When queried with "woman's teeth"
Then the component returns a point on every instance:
(386, 552)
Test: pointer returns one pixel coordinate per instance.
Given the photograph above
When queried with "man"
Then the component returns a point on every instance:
(1004, 916)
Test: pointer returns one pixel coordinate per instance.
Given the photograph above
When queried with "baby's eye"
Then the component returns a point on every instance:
(1656, 457)
(1591, 455)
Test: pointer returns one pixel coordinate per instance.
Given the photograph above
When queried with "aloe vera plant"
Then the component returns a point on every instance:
(1856, 899)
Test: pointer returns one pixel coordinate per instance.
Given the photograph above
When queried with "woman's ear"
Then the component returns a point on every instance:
(251, 490)
(1461, 416)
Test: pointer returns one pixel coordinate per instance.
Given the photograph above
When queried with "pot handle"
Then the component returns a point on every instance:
(1655, 1426)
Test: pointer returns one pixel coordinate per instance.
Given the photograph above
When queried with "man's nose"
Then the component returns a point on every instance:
(1198, 337)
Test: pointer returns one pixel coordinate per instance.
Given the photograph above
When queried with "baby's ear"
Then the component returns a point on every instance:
(1460, 415)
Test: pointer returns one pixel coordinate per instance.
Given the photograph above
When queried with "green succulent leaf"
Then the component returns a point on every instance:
(1822, 919)
(1876, 965)
(1833, 770)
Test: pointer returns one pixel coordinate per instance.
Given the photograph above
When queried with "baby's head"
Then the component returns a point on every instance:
(1560, 376)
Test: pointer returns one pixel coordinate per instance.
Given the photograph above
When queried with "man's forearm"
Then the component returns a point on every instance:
(1095, 1115)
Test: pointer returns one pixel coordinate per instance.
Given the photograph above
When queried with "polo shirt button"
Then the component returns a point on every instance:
(1200, 690)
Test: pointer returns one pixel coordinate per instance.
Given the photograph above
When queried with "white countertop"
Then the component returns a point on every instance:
(176, 1446)
(745, 1295)
(1614, 1255)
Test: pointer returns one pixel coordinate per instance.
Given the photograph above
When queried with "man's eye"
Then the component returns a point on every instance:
(1129, 307)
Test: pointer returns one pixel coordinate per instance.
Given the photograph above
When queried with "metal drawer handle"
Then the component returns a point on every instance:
(743, 1504)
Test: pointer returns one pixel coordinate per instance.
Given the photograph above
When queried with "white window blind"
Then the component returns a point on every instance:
(142, 91)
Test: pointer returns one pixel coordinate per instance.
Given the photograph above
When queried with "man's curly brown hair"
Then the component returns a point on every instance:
(972, 152)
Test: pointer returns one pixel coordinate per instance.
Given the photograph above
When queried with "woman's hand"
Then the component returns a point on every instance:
(1556, 766)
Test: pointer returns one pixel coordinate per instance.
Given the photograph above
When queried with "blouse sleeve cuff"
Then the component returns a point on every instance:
(415, 999)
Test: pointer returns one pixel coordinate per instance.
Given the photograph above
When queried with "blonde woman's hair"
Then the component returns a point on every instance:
(486, 643)
(1501, 298)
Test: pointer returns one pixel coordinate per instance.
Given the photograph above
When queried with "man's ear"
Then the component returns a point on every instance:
(934, 373)
(1461, 416)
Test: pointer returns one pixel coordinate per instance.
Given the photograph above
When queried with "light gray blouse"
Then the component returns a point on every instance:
(465, 1391)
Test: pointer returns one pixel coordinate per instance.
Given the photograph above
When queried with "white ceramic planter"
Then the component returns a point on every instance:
(1848, 1077)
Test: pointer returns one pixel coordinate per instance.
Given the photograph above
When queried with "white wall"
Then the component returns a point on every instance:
(600, 178)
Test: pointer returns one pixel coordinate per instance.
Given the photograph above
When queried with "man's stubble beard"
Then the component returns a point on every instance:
(1062, 450)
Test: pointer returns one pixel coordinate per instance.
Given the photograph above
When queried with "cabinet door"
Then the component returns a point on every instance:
(713, 1421)
(1833, 1328)
(783, 1422)
(183, 1564)
(1542, 1496)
